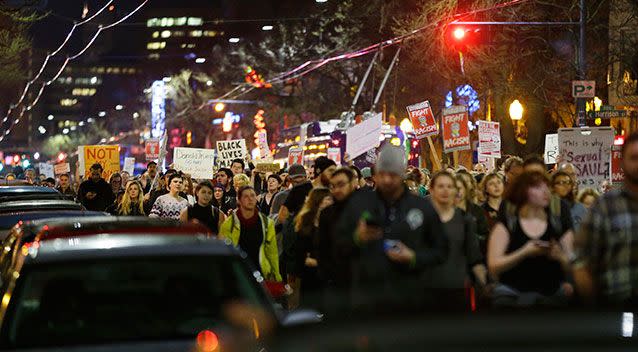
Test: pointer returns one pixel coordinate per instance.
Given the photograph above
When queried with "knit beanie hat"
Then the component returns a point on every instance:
(392, 159)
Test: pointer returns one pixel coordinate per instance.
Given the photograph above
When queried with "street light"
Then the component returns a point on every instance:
(233, 40)
(516, 110)
(219, 107)
(406, 126)
(267, 28)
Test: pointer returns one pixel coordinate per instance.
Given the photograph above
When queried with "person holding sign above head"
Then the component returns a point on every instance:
(203, 211)
(95, 193)
(170, 206)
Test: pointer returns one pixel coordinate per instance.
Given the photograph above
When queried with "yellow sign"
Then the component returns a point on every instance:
(267, 167)
(106, 155)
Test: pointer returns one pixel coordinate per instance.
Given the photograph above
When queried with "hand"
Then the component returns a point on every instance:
(534, 248)
(556, 252)
(366, 233)
(402, 254)
(147, 196)
(311, 262)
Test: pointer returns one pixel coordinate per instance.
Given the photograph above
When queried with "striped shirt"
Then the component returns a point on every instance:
(607, 243)
(168, 207)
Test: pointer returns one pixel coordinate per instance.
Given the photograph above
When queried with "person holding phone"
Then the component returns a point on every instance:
(526, 255)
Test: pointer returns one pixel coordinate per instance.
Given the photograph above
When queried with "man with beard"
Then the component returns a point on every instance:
(392, 235)
(606, 245)
(323, 170)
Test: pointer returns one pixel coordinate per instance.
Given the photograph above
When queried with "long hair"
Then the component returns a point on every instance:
(468, 189)
(124, 208)
(305, 220)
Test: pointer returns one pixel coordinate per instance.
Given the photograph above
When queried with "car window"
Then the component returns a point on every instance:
(122, 299)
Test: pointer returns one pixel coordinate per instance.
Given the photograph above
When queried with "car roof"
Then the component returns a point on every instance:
(40, 204)
(124, 245)
(24, 189)
(30, 216)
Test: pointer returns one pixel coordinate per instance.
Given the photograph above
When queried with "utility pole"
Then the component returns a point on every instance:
(582, 64)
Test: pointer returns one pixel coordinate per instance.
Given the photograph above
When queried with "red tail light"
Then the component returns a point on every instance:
(207, 341)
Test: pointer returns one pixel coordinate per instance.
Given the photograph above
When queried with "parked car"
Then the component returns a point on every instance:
(137, 293)
(14, 211)
(26, 192)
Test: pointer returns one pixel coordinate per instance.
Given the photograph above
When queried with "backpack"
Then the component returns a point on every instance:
(553, 216)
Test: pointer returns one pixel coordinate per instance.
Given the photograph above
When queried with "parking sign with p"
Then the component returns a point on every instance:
(583, 89)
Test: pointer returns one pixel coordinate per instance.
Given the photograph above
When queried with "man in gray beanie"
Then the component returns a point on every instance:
(393, 235)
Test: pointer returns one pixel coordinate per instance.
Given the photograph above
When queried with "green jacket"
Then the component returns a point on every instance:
(268, 253)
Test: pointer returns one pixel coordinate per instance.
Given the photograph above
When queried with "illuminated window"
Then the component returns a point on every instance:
(178, 33)
(68, 102)
(196, 33)
(109, 70)
(100, 70)
(180, 21)
(84, 92)
(156, 34)
(116, 70)
(212, 33)
(154, 56)
(195, 21)
(155, 45)
(165, 34)
(152, 22)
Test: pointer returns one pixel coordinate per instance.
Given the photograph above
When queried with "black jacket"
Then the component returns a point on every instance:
(378, 281)
(102, 200)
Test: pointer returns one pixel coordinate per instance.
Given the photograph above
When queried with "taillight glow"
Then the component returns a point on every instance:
(207, 341)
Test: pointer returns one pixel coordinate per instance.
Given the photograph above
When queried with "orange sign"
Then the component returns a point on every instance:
(456, 133)
(617, 173)
(422, 120)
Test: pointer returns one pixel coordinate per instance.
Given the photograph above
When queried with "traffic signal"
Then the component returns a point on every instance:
(461, 37)
(255, 79)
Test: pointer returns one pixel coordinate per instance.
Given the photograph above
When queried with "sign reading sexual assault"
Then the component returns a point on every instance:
(456, 133)
(589, 150)
(227, 151)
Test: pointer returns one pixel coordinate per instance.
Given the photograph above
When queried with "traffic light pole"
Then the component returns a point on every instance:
(582, 63)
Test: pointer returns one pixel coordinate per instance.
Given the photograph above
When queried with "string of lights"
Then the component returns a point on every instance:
(101, 28)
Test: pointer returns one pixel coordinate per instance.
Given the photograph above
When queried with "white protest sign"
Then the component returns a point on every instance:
(363, 136)
(489, 139)
(194, 161)
(589, 150)
(63, 168)
(227, 151)
(46, 170)
(262, 144)
(551, 148)
(129, 165)
(334, 154)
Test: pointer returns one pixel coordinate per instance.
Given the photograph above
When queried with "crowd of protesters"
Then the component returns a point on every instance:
(390, 236)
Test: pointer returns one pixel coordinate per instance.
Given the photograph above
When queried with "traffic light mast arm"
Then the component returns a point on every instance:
(517, 23)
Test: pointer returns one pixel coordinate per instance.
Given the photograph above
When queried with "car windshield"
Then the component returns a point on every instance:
(118, 300)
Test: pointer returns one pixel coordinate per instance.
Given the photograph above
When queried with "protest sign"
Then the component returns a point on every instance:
(152, 149)
(334, 154)
(194, 161)
(422, 119)
(63, 168)
(129, 165)
(551, 148)
(456, 133)
(295, 156)
(589, 150)
(489, 139)
(106, 155)
(46, 170)
(262, 144)
(227, 151)
(617, 173)
(363, 136)
(267, 167)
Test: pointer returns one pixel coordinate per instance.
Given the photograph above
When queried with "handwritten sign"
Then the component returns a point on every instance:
(422, 120)
(617, 173)
(267, 167)
(262, 144)
(363, 136)
(129, 165)
(334, 154)
(227, 151)
(46, 170)
(295, 156)
(551, 148)
(194, 161)
(63, 168)
(152, 149)
(489, 139)
(589, 150)
(106, 155)
(456, 133)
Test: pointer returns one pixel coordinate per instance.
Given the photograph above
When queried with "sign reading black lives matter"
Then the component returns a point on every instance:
(227, 151)
(589, 150)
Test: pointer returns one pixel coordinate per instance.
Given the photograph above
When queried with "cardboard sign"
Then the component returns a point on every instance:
(589, 150)
(617, 173)
(295, 156)
(363, 136)
(129, 165)
(334, 154)
(262, 144)
(489, 139)
(152, 149)
(456, 133)
(63, 168)
(46, 170)
(267, 167)
(551, 148)
(422, 119)
(106, 155)
(194, 161)
(227, 151)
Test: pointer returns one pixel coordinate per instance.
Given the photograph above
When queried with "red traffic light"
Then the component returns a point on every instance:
(459, 33)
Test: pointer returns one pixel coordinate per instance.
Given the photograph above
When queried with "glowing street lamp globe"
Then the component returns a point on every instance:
(516, 110)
